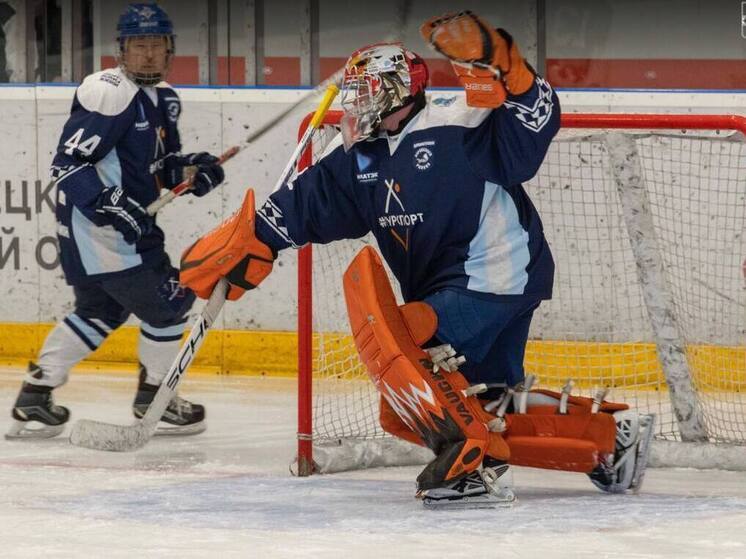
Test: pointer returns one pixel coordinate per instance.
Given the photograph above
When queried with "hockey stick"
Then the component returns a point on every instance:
(98, 435)
(185, 185)
(331, 92)
(328, 85)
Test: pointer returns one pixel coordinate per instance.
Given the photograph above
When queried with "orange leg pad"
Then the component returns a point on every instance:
(430, 405)
(599, 428)
(553, 453)
(393, 425)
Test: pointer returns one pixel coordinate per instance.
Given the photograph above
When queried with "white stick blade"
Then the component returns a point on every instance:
(97, 435)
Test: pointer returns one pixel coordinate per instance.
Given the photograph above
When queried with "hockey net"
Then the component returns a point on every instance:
(645, 215)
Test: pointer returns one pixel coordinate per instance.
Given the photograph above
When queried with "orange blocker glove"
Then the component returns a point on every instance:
(231, 251)
(486, 60)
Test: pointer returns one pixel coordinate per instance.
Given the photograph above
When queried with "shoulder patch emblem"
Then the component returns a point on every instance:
(365, 174)
(113, 79)
(444, 101)
(173, 109)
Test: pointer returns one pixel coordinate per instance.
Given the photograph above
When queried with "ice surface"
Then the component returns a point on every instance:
(228, 493)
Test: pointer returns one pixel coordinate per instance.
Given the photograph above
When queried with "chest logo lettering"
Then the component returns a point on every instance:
(397, 220)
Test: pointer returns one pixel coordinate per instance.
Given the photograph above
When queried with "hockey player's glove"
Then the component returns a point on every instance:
(232, 251)
(206, 170)
(486, 60)
(124, 214)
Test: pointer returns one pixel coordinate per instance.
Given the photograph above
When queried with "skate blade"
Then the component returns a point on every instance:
(505, 499)
(647, 426)
(169, 430)
(22, 430)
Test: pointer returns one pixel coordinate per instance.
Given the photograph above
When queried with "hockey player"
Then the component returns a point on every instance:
(118, 149)
(439, 186)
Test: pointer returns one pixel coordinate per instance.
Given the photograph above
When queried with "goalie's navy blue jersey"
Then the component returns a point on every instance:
(443, 198)
(117, 134)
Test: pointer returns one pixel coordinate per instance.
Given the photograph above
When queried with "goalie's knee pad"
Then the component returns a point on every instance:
(423, 405)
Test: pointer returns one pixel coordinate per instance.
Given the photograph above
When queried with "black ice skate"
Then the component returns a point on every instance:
(488, 487)
(625, 471)
(35, 415)
(181, 417)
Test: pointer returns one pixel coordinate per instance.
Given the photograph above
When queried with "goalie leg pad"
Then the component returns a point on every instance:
(576, 441)
(431, 404)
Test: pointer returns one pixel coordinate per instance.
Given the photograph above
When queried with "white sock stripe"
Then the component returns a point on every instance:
(174, 330)
(87, 330)
(101, 324)
(73, 335)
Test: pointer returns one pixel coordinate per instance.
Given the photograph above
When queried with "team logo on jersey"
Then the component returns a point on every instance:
(160, 146)
(423, 155)
(397, 220)
(173, 108)
(141, 125)
(147, 13)
(363, 166)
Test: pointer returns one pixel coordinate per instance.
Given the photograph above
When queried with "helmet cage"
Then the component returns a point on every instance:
(370, 98)
(377, 83)
(140, 77)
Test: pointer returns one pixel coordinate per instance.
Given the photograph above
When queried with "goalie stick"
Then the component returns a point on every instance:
(99, 435)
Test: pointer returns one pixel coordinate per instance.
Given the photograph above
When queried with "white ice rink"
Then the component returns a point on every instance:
(228, 493)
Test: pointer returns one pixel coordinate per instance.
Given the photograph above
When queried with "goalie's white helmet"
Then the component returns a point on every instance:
(379, 79)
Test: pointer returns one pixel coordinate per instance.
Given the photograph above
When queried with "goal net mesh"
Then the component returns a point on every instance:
(597, 327)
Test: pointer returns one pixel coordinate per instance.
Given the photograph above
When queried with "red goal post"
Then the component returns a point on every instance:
(677, 124)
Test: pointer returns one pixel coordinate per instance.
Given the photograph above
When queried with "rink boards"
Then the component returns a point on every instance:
(260, 325)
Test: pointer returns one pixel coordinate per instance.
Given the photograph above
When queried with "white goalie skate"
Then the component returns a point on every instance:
(626, 469)
(489, 487)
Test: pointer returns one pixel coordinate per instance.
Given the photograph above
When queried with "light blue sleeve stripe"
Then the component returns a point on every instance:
(102, 249)
(109, 169)
(498, 253)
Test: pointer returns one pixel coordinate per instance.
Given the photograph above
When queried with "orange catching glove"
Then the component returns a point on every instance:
(231, 251)
(486, 60)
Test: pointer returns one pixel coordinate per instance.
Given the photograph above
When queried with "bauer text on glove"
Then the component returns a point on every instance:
(124, 214)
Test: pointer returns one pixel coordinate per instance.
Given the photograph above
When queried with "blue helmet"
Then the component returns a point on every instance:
(144, 19)
(141, 20)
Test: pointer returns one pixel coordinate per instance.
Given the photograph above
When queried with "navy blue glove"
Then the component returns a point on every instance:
(124, 214)
(208, 173)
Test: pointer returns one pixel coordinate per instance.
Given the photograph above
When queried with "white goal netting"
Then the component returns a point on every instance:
(647, 232)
